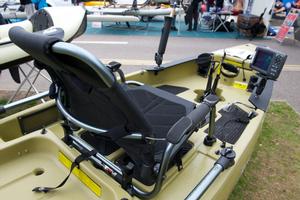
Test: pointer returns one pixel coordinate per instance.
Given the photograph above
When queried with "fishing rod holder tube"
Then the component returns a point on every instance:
(211, 88)
(209, 140)
(10, 106)
(163, 40)
(225, 161)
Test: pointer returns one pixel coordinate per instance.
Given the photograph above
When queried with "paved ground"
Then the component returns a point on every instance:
(138, 52)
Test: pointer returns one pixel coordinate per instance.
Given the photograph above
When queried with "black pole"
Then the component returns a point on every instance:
(215, 85)
(163, 40)
(218, 76)
(210, 139)
(209, 80)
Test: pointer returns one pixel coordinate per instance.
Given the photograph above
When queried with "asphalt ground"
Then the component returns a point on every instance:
(137, 52)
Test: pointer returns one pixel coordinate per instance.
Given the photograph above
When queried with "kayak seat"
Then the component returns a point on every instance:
(157, 109)
(150, 124)
(162, 110)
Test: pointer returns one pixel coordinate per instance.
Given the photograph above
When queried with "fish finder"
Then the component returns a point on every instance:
(268, 62)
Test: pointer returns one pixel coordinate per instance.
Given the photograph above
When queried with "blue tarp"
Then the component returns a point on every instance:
(40, 3)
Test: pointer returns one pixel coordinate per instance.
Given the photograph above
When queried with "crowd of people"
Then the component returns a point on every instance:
(193, 9)
(196, 6)
(282, 6)
(29, 6)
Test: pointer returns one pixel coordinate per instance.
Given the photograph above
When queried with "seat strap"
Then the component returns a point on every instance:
(77, 161)
(178, 160)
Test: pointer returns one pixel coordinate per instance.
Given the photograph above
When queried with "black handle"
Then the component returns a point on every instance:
(22, 38)
(198, 115)
(192, 120)
(35, 44)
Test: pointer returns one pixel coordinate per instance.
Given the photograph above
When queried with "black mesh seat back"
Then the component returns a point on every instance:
(92, 94)
(91, 105)
(92, 102)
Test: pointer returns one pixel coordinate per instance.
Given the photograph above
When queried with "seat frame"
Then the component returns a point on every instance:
(108, 166)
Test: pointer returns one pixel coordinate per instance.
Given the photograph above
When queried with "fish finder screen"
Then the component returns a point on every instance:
(263, 60)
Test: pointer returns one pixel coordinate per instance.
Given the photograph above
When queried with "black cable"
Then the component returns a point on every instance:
(243, 68)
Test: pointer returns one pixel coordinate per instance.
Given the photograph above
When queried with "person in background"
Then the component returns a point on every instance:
(193, 14)
(28, 7)
(238, 7)
(173, 26)
(39, 4)
(296, 4)
(2, 21)
(209, 4)
(279, 7)
(219, 5)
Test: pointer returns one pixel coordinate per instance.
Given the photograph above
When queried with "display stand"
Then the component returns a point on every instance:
(30, 77)
(262, 100)
(222, 17)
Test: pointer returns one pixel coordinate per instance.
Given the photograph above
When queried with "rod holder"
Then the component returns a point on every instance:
(163, 40)
(210, 139)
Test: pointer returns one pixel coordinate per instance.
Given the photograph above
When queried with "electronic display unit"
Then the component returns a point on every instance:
(268, 62)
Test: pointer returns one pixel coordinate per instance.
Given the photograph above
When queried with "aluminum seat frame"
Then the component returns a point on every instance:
(109, 167)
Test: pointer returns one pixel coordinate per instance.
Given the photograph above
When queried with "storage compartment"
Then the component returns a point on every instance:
(27, 121)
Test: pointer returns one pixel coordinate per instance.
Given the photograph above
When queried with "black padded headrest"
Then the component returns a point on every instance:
(35, 44)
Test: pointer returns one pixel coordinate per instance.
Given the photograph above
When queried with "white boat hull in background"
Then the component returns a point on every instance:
(147, 12)
(111, 18)
(56, 17)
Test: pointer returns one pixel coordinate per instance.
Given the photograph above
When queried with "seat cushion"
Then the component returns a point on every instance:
(161, 109)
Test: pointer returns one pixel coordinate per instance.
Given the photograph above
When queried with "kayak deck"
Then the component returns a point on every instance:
(43, 150)
(34, 162)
